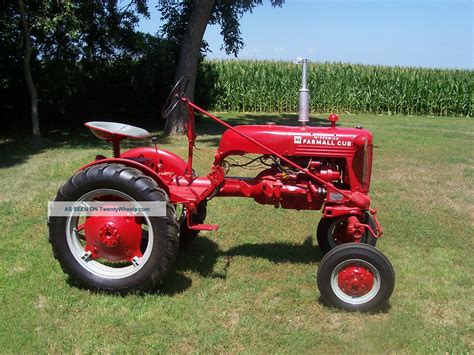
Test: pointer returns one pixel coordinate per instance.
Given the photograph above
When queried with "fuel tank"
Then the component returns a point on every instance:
(331, 142)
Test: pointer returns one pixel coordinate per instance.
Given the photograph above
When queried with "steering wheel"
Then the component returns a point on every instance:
(175, 95)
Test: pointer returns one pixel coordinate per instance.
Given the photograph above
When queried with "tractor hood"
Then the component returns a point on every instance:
(295, 140)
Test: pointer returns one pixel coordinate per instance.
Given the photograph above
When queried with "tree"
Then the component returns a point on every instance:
(28, 76)
(63, 34)
(185, 24)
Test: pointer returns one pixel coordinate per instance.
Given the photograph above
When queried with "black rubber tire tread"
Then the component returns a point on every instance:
(140, 187)
(356, 251)
(186, 235)
(322, 233)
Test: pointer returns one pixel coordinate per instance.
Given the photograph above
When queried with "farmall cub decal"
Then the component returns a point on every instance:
(322, 140)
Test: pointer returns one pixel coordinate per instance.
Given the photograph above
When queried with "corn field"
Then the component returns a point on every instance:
(272, 86)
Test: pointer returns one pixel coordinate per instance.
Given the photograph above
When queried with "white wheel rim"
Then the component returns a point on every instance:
(355, 300)
(95, 267)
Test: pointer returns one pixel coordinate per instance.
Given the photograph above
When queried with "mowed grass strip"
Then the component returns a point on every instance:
(251, 286)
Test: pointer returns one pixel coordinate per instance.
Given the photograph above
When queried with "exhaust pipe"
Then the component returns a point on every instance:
(303, 115)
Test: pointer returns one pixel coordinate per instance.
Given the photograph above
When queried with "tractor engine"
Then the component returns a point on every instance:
(330, 170)
(339, 156)
(299, 191)
(284, 186)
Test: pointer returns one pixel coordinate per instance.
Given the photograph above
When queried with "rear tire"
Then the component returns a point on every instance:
(164, 231)
(356, 277)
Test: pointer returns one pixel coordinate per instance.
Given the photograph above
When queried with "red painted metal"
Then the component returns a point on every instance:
(270, 190)
(333, 119)
(191, 139)
(200, 227)
(347, 230)
(378, 227)
(355, 280)
(334, 173)
(266, 148)
(354, 229)
(113, 238)
(369, 228)
(159, 160)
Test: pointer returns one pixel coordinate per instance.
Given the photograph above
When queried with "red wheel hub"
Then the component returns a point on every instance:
(355, 280)
(114, 238)
(108, 235)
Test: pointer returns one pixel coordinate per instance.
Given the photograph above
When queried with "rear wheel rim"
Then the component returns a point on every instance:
(359, 295)
(96, 267)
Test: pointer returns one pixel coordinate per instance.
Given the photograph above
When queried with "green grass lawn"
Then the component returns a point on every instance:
(251, 286)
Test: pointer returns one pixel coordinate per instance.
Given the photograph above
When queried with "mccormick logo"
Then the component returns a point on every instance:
(321, 140)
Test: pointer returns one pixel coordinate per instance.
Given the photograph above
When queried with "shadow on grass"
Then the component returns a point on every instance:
(16, 149)
(304, 253)
(202, 255)
(385, 308)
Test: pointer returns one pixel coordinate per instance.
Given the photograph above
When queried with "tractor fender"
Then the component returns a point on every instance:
(165, 161)
(133, 164)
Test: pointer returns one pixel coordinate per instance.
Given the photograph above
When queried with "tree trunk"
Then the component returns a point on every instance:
(28, 76)
(188, 59)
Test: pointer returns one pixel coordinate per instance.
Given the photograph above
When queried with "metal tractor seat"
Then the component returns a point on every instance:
(112, 131)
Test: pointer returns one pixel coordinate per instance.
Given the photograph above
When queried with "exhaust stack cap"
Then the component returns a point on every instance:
(303, 114)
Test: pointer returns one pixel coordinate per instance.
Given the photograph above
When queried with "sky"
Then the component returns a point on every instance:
(427, 33)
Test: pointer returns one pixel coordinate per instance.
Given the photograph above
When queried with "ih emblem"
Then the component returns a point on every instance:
(297, 139)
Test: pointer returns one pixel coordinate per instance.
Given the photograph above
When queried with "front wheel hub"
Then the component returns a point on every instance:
(355, 280)
(113, 238)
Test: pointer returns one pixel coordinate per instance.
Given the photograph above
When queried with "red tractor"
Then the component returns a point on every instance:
(303, 168)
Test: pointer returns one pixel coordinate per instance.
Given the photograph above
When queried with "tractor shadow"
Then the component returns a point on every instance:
(199, 257)
(305, 253)
(203, 254)
(385, 309)
(17, 149)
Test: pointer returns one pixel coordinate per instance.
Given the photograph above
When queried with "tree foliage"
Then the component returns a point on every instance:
(225, 13)
(88, 60)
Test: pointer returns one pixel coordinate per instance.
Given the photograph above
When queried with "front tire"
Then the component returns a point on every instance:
(356, 277)
(158, 238)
